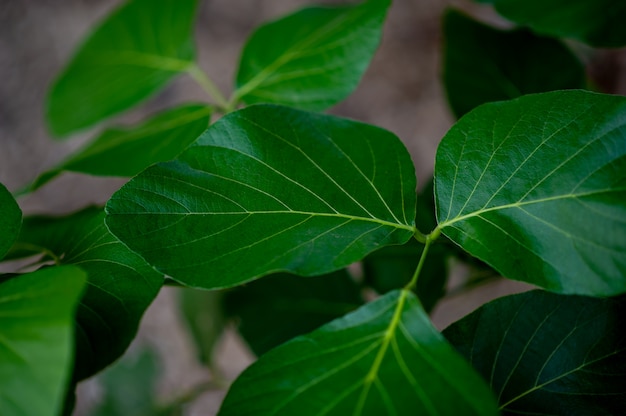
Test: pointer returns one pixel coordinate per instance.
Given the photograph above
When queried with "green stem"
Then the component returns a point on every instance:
(208, 85)
(428, 241)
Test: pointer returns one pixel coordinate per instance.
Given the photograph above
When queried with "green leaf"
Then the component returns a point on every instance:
(120, 284)
(10, 220)
(283, 189)
(36, 326)
(483, 64)
(161, 138)
(548, 354)
(131, 55)
(535, 188)
(596, 22)
(277, 308)
(203, 314)
(311, 59)
(384, 359)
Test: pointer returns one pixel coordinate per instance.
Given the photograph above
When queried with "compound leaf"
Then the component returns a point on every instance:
(159, 139)
(36, 327)
(596, 22)
(131, 55)
(283, 189)
(313, 58)
(10, 220)
(386, 358)
(276, 308)
(535, 187)
(548, 354)
(120, 284)
(484, 64)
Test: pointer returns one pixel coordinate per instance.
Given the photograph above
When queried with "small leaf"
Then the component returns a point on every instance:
(483, 64)
(36, 326)
(131, 55)
(283, 189)
(159, 139)
(10, 220)
(277, 308)
(313, 58)
(204, 316)
(535, 188)
(548, 354)
(599, 23)
(120, 284)
(386, 358)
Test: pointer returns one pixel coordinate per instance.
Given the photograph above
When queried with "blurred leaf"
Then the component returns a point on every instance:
(128, 151)
(279, 307)
(386, 358)
(313, 58)
(283, 189)
(129, 386)
(131, 55)
(599, 23)
(10, 220)
(535, 188)
(483, 64)
(36, 326)
(204, 316)
(120, 284)
(548, 354)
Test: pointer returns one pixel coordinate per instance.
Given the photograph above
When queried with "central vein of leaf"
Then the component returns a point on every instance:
(390, 333)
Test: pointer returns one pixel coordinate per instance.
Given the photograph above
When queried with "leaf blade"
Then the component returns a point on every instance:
(385, 358)
(553, 158)
(36, 314)
(275, 185)
(10, 220)
(311, 59)
(547, 353)
(123, 61)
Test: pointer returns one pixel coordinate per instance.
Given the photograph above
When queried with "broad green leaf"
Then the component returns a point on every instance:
(535, 187)
(596, 22)
(268, 189)
(483, 64)
(386, 358)
(131, 55)
(36, 328)
(203, 314)
(10, 220)
(277, 308)
(311, 59)
(120, 284)
(548, 354)
(128, 151)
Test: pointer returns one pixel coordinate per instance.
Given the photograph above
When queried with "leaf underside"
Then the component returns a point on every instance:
(283, 189)
(535, 188)
(548, 354)
(383, 359)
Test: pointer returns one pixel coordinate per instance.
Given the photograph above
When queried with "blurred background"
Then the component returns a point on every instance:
(402, 92)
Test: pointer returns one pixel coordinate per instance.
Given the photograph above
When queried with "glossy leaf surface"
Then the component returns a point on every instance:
(282, 189)
(127, 151)
(596, 22)
(484, 64)
(131, 55)
(10, 220)
(120, 284)
(386, 358)
(548, 354)
(535, 188)
(313, 58)
(36, 328)
(276, 308)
